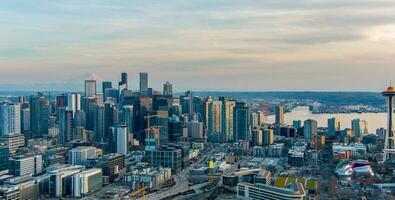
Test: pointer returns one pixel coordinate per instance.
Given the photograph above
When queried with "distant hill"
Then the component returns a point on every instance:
(340, 98)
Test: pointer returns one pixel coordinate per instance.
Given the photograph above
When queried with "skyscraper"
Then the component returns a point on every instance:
(279, 115)
(333, 126)
(152, 138)
(90, 88)
(74, 102)
(297, 123)
(39, 115)
(310, 129)
(89, 108)
(168, 89)
(214, 117)
(25, 120)
(66, 124)
(143, 83)
(98, 120)
(123, 84)
(160, 119)
(186, 102)
(9, 118)
(268, 137)
(128, 117)
(240, 121)
(122, 139)
(257, 137)
(111, 117)
(106, 88)
(389, 145)
(106, 85)
(356, 127)
(227, 120)
(254, 119)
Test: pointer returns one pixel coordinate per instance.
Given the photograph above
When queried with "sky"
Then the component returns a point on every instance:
(230, 45)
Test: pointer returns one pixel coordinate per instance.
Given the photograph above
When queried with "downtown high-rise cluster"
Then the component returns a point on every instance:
(111, 141)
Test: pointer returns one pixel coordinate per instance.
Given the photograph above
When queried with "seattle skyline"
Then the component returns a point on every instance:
(199, 45)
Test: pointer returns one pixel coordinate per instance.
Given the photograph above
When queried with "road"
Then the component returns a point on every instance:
(181, 180)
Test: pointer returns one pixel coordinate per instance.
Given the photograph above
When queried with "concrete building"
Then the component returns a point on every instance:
(86, 182)
(26, 165)
(58, 180)
(14, 142)
(250, 191)
(9, 193)
(149, 177)
(80, 154)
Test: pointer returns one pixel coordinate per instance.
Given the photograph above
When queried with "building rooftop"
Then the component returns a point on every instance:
(292, 189)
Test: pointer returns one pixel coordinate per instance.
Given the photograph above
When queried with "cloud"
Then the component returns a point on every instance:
(200, 44)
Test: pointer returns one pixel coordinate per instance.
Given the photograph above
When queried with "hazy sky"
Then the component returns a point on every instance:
(199, 44)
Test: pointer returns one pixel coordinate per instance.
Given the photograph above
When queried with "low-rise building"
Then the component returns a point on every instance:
(165, 156)
(86, 182)
(148, 177)
(82, 153)
(258, 191)
(13, 141)
(26, 164)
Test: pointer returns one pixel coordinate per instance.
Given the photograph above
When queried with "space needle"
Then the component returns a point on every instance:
(389, 145)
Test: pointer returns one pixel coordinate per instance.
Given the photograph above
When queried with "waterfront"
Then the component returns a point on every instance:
(374, 120)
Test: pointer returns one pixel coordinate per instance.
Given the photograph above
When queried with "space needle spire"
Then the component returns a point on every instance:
(389, 145)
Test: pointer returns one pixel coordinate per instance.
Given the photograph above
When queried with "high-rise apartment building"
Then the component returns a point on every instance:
(10, 122)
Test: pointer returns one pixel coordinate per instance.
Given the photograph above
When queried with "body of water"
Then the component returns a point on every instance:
(374, 120)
